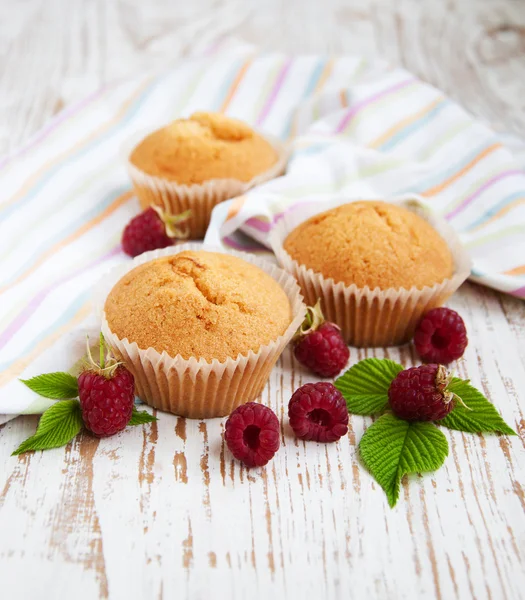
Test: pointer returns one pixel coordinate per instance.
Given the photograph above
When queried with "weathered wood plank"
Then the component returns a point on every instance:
(55, 52)
(183, 513)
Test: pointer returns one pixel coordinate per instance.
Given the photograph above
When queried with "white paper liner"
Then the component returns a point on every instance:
(197, 388)
(200, 198)
(371, 317)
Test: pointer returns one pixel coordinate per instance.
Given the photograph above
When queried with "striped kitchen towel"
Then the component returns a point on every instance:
(388, 134)
(356, 128)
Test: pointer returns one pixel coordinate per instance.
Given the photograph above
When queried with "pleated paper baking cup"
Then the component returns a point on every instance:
(371, 317)
(199, 198)
(196, 388)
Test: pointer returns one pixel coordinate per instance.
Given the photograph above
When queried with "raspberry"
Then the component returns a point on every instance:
(145, 232)
(441, 336)
(252, 434)
(420, 394)
(107, 393)
(318, 412)
(107, 403)
(151, 230)
(319, 345)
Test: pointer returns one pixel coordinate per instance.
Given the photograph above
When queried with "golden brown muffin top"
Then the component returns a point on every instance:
(202, 304)
(205, 146)
(372, 244)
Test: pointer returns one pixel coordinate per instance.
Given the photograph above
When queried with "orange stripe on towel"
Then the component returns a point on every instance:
(235, 85)
(440, 187)
(122, 199)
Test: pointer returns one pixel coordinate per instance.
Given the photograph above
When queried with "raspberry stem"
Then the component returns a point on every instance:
(443, 380)
(101, 351)
(108, 364)
(172, 222)
(456, 398)
(313, 320)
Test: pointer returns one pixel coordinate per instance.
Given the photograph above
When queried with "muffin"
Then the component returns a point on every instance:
(199, 304)
(372, 244)
(201, 330)
(195, 163)
(376, 266)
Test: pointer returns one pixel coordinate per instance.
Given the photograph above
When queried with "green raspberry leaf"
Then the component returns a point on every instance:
(57, 426)
(391, 447)
(53, 385)
(141, 416)
(482, 416)
(365, 385)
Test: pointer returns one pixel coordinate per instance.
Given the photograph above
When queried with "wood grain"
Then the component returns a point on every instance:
(165, 508)
(164, 511)
(55, 52)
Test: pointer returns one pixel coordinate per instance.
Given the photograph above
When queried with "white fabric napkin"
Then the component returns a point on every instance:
(356, 129)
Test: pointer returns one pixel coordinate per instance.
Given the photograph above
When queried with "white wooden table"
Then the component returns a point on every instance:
(164, 511)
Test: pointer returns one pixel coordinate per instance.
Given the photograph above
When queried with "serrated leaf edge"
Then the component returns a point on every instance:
(379, 398)
(141, 413)
(393, 489)
(28, 444)
(71, 385)
(505, 430)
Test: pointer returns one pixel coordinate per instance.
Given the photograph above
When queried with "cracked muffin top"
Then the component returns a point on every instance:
(202, 304)
(204, 146)
(372, 244)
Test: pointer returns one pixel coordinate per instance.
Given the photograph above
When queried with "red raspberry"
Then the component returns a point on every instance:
(144, 232)
(319, 345)
(420, 394)
(318, 412)
(252, 434)
(106, 401)
(441, 336)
